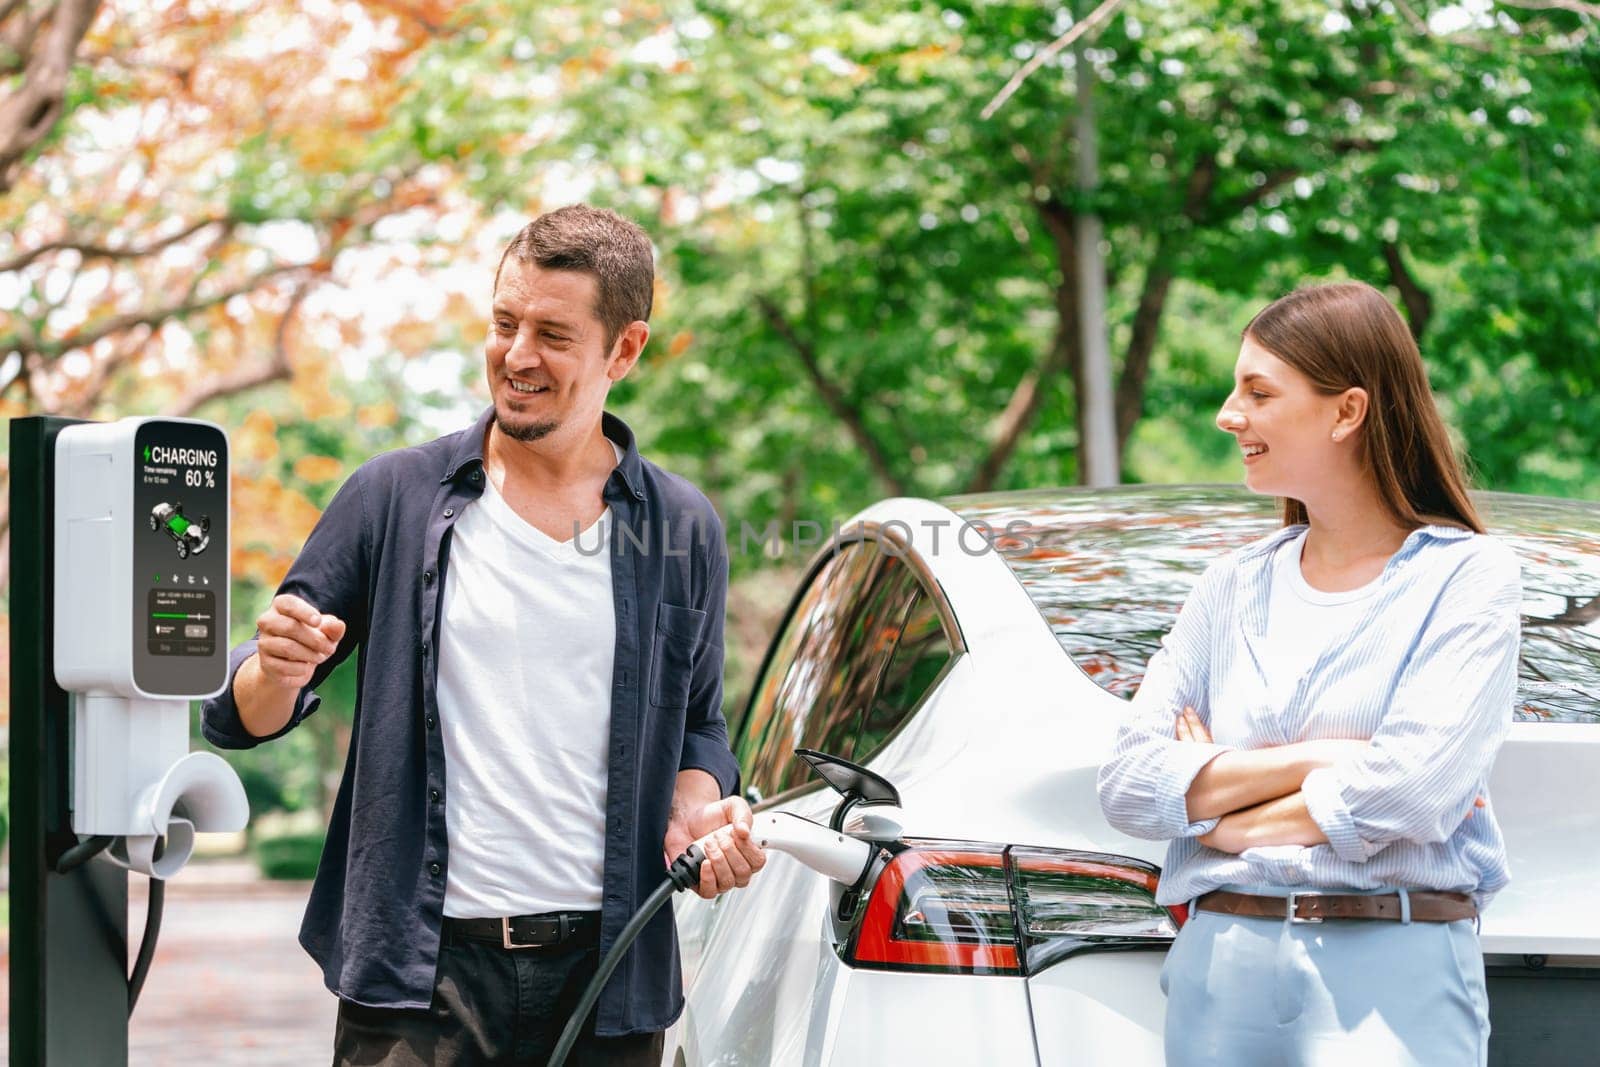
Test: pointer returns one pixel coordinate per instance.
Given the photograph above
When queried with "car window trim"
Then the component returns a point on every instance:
(738, 735)
(796, 791)
(857, 532)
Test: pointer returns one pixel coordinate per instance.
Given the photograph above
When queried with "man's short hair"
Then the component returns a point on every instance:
(597, 242)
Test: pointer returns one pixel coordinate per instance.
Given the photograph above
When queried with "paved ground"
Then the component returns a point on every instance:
(230, 986)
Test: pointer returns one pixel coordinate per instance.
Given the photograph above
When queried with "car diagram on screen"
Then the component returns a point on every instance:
(190, 535)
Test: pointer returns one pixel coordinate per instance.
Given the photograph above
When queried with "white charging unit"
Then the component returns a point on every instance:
(141, 628)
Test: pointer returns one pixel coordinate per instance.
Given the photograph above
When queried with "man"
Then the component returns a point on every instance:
(539, 618)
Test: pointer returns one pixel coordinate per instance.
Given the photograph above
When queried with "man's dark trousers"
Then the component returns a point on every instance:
(491, 1006)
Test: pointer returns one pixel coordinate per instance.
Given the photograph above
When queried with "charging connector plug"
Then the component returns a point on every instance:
(685, 870)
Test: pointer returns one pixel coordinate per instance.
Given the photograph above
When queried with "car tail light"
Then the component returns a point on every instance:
(952, 907)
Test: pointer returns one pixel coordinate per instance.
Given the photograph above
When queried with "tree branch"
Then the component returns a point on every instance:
(149, 317)
(30, 111)
(1577, 7)
(1462, 39)
(87, 394)
(19, 34)
(1274, 181)
(277, 367)
(832, 397)
(1419, 305)
(94, 251)
(1096, 18)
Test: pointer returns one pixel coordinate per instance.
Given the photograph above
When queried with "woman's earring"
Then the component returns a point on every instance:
(1337, 435)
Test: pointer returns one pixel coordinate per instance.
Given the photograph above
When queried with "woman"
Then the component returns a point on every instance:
(1318, 728)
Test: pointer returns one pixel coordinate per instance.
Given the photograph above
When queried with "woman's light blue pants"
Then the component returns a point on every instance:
(1248, 992)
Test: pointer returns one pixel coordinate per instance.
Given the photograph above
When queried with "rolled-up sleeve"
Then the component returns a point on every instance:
(330, 574)
(705, 736)
(1448, 715)
(1143, 787)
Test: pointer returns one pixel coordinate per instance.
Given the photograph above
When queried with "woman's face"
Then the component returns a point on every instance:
(1283, 425)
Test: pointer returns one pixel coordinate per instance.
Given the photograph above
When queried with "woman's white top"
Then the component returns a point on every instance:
(1301, 621)
(1422, 662)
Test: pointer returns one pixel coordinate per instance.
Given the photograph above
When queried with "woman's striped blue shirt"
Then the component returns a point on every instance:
(1429, 676)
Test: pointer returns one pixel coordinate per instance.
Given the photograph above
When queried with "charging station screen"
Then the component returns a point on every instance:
(180, 558)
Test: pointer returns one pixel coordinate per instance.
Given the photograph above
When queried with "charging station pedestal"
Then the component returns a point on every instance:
(119, 617)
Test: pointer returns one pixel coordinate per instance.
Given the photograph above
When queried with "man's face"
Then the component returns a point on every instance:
(546, 356)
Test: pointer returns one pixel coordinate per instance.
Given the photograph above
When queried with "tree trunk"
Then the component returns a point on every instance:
(1098, 454)
(1141, 346)
(1062, 355)
(1419, 305)
(1158, 280)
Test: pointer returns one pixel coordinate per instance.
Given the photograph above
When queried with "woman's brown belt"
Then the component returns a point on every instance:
(1426, 906)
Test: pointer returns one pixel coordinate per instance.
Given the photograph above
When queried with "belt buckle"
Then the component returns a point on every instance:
(563, 930)
(1294, 899)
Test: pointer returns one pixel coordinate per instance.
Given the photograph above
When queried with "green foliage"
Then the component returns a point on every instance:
(290, 857)
(5, 797)
(264, 790)
(829, 163)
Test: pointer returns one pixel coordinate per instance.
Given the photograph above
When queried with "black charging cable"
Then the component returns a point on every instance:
(88, 849)
(684, 873)
(147, 943)
(82, 853)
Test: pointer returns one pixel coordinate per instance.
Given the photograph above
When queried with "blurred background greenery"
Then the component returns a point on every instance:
(284, 216)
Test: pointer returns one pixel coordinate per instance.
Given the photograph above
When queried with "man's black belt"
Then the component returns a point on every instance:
(553, 929)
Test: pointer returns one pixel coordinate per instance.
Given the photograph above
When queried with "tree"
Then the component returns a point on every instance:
(835, 213)
(168, 243)
(38, 41)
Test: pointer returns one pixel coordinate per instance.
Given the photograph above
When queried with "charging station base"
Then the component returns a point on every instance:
(69, 932)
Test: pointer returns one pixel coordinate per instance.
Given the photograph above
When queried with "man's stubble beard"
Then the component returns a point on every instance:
(532, 431)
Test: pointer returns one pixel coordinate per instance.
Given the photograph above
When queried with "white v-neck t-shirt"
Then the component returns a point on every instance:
(1303, 622)
(526, 643)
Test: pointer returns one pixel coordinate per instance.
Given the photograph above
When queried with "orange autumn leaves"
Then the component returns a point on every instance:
(271, 519)
(173, 242)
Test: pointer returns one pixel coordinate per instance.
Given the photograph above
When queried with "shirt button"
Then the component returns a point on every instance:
(449, 512)
(427, 577)
(433, 795)
(475, 477)
(434, 869)
(424, 646)
(429, 721)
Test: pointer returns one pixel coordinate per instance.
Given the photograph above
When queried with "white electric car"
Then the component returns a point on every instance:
(1010, 923)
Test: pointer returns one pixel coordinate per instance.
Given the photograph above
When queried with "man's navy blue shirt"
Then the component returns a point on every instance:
(377, 559)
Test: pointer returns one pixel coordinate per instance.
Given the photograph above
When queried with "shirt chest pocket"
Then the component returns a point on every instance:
(677, 636)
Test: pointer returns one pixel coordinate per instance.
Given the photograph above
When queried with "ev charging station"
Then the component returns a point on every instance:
(119, 618)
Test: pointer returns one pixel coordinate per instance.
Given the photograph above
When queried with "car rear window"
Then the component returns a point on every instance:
(1109, 570)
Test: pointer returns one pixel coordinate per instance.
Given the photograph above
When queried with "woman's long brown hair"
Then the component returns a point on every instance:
(1348, 335)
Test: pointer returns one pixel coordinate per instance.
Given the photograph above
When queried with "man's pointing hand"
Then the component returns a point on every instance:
(295, 638)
